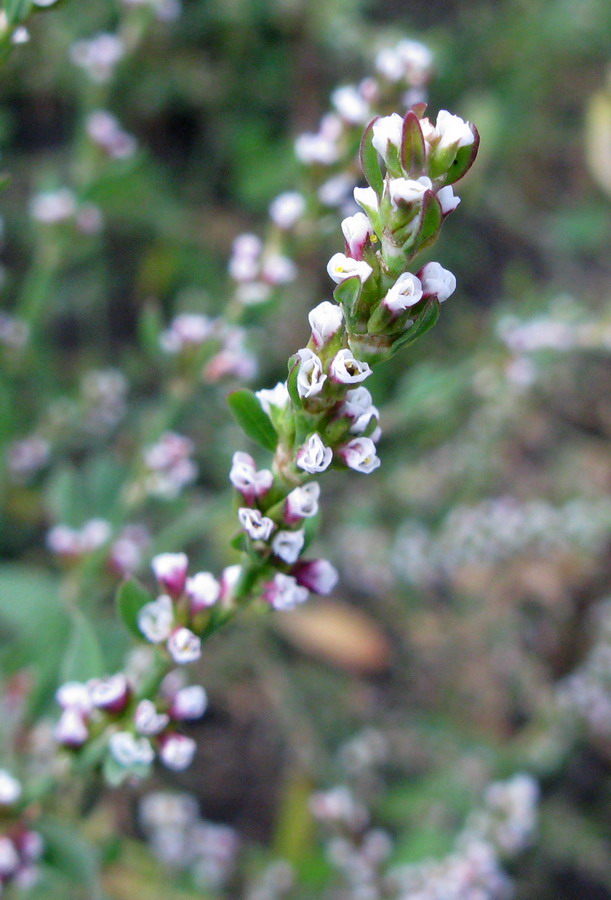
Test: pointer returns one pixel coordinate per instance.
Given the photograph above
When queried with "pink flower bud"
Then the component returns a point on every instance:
(203, 591)
(357, 231)
(71, 730)
(111, 694)
(171, 572)
(387, 133)
(325, 321)
(317, 575)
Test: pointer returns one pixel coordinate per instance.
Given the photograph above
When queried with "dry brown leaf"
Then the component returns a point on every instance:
(337, 633)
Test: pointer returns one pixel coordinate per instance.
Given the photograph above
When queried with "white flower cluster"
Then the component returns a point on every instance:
(72, 544)
(20, 846)
(99, 56)
(497, 530)
(258, 270)
(104, 130)
(586, 692)
(168, 466)
(139, 729)
(184, 841)
(188, 333)
(103, 399)
(58, 206)
(14, 332)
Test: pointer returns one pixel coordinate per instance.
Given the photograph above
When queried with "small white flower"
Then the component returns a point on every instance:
(189, 703)
(367, 198)
(109, 693)
(405, 292)
(170, 570)
(203, 590)
(316, 148)
(334, 191)
(257, 526)
(288, 545)
(408, 190)
(278, 397)
(318, 575)
(357, 402)
(156, 619)
(452, 131)
(245, 478)
(129, 750)
(71, 730)
(387, 131)
(302, 502)
(148, 720)
(361, 424)
(187, 330)
(279, 269)
(177, 752)
(184, 646)
(437, 281)
(325, 321)
(230, 577)
(356, 230)
(341, 267)
(284, 593)
(98, 56)
(351, 105)
(10, 788)
(314, 456)
(360, 454)
(448, 200)
(74, 695)
(286, 210)
(345, 369)
(9, 858)
(51, 207)
(310, 378)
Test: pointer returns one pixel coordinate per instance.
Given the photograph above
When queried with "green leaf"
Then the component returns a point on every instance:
(426, 320)
(370, 163)
(16, 10)
(252, 419)
(347, 294)
(430, 222)
(413, 151)
(67, 852)
(291, 383)
(131, 597)
(83, 658)
(464, 159)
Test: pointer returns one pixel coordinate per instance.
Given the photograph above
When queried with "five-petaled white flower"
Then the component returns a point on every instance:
(314, 456)
(156, 619)
(405, 292)
(311, 377)
(177, 752)
(257, 526)
(302, 502)
(284, 592)
(288, 545)
(341, 267)
(437, 281)
(345, 369)
(360, 454)
(184, 646)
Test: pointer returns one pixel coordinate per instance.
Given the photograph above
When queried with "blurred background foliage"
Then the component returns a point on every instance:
(474, 561)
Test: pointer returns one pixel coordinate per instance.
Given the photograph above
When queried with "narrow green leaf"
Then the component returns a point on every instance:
(16, 10)
(131, 597)
(83, 658)
(424, 323)
(413, 152)
(430, 222)
(68, 852)
(347, 294)
(370, 164)
(291, 382)
(252, 419)
(464, 159)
